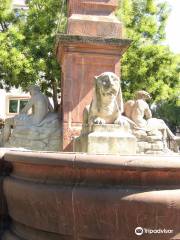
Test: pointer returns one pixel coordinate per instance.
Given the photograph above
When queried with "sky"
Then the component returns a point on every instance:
(173, 26)
(19, 1)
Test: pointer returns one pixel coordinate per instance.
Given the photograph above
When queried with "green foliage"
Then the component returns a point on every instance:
(152, 68)
(40, 29)
(169, 111)
(27, 40)
(14, 64)
(149, 65)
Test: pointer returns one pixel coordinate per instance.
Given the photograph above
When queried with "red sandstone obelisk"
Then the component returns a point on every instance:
(93, 44)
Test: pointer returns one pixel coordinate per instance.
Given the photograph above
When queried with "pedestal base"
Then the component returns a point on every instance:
(81, 59)
(99, 26)
(106, 139)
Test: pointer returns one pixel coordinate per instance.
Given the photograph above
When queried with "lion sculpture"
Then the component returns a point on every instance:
(107, 103)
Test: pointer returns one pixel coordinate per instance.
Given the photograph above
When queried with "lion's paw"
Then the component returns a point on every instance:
(99, 121)
(121, 121)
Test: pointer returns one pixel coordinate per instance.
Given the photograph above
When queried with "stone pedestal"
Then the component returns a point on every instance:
(93, 18)
(91, 46)
(150, 142)
(106, 139)
(43, 137)
(81, 59)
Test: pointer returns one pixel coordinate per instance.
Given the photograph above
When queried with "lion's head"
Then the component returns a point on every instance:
(108, 86)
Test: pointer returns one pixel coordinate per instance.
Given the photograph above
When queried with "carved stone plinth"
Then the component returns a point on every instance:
(81, 59)
(93, 18)
(44, 137)
(106, 139)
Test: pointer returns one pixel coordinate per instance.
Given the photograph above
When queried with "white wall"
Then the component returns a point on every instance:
(4, 100)
(2, 103)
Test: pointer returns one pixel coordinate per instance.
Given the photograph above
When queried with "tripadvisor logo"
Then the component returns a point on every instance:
(140, 231)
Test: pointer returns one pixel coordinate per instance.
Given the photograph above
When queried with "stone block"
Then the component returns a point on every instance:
(151, 152)
(107, 139)
(45, 137)
(140, 134)
(143, 146)
(154, 133)
(93, 18)
(92, 7)
(99, 26)
(158, 146)
(154, 139)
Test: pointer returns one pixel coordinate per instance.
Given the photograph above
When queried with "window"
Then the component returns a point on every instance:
(13, 106)
(16, 105)
(22, 104)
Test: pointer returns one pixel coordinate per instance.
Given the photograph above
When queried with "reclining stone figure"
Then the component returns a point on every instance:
(39, 130)
(40, 106)
(139, 112)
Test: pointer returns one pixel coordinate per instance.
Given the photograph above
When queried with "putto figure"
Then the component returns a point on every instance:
(107, 104)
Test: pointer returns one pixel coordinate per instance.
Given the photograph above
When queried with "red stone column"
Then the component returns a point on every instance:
(93, 18)
(91, 46)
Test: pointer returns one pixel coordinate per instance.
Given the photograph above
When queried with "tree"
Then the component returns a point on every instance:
(170, 112)
(27, 41)
(44, 19)
(148, 64)
(15, 66)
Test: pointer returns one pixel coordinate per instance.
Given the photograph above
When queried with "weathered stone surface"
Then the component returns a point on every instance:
(143, 146)
(154, 152)
(154, 133)
(3, 207)
(91, 46)
(140, 134)
(157, 131)
(149, 142)
(82, 58)
(104, 129)
(93, 18)
(84, 196)
(106, 139)
(39, 130)
(157, 146)
(45, 137)
(154, 138)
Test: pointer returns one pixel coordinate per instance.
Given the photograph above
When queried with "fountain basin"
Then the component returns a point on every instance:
(92, 197)
(3, 208)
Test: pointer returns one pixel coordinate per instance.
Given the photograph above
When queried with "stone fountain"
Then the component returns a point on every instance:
(104, 193)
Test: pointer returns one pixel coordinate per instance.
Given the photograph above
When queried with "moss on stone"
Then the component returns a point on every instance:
(92, 40)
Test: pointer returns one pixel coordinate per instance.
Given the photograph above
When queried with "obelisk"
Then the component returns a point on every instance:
(93, 44)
